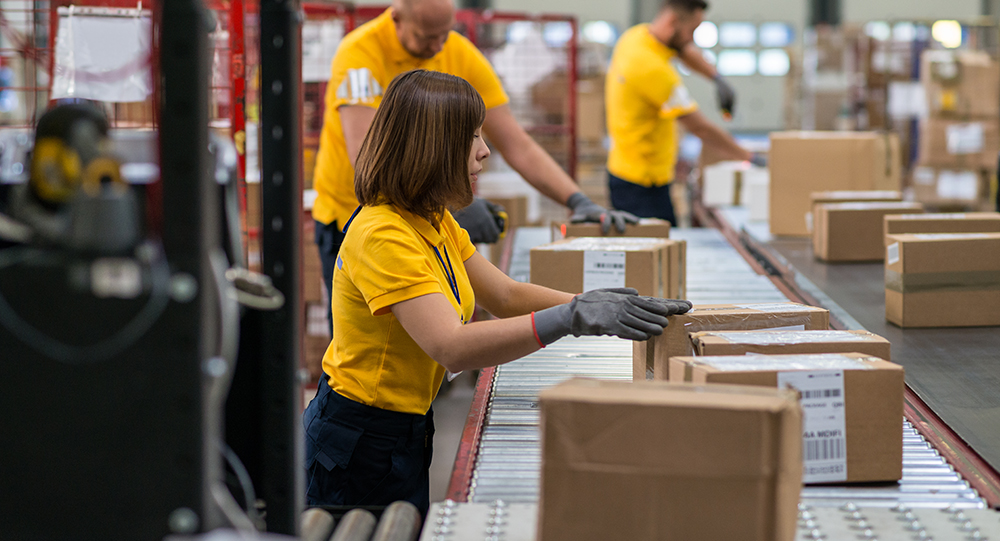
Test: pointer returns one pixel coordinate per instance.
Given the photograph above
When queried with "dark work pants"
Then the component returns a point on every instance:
(642, 201)
(362, 455)
(328, 240)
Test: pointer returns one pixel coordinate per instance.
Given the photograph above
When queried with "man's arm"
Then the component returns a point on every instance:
(526, 156)
(693, 58)
(714, 136)
(355, 121)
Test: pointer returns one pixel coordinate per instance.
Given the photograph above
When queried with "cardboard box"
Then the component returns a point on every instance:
(854, 231)
(943, 280)
(722, 183)
(647, 227)
(870, 442)
(847, 196)
(789, 342)
(950, 222)
(675, 340)
(805, 162)
(651, 266)
(655, 461)
(516, 207)
(951, 187)
(959, 144)
(962, 84)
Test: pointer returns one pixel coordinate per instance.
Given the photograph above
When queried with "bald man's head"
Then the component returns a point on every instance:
(423, 25)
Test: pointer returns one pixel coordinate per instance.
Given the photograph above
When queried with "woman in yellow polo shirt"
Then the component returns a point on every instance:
(406, 283)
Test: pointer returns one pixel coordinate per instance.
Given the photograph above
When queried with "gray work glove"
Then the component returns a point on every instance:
(725, 95)
(617, 312)
(479, 219)
(585, 210)
(758, 159)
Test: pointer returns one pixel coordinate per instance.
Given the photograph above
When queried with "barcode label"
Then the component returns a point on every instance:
(821, 393)
(603, 269)
(825, 449)
(824, 431)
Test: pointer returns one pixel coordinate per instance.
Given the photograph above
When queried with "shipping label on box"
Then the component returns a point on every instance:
(805, 162)
(943, 280)
(852, 405)
(667, 458)
(676, 342)
(788, 342)
(952, 144)
(948, 222)
(846, 232)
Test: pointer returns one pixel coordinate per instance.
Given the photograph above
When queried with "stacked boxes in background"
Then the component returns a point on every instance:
(653, 266)
(943, 279)
(853, 406)
(951, 222)
(805, 162)
(960, 138)
(659, 461)
(845, 232)
(675, 340)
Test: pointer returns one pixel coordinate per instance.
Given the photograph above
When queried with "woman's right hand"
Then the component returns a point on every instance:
(617, 312)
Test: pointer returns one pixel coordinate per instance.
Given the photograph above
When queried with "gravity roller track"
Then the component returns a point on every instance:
(508, 457)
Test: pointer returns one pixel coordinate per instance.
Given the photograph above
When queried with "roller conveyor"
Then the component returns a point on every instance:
(507, 458)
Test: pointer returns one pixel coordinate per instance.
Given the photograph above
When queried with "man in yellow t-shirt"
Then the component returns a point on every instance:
(645, 98)
(416, 34)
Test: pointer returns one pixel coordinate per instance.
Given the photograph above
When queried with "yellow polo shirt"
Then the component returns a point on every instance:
(644, 96)
(366, 62)
(388, 257)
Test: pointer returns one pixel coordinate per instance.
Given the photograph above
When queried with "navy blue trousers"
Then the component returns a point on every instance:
(328, 240)
(363, 455)
(642, 201)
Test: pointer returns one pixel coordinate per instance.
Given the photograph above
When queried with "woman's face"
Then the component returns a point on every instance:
(477, 155)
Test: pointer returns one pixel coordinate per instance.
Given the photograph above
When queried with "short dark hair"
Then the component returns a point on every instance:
(686, 6)
(416, 153)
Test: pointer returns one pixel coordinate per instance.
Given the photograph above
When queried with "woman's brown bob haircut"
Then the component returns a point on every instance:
(416, 154)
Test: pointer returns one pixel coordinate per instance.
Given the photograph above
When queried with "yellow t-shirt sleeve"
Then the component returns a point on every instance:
(356, 77)
(479, 73)
(663, 87)
(391, 269)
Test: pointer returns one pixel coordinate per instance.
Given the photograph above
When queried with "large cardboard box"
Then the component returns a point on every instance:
(674, 262)
(585, 263)
(653, 461)
(963, 84)
(847, 196)
(943, 280)
(862, 395)
(805, 162)
(854, 231)
(789, 342)
(676, 342)
(959, 144)
(949, 222)
(647, 227)
(952, 187)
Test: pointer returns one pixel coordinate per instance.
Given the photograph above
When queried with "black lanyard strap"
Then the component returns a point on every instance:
(449, 273)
